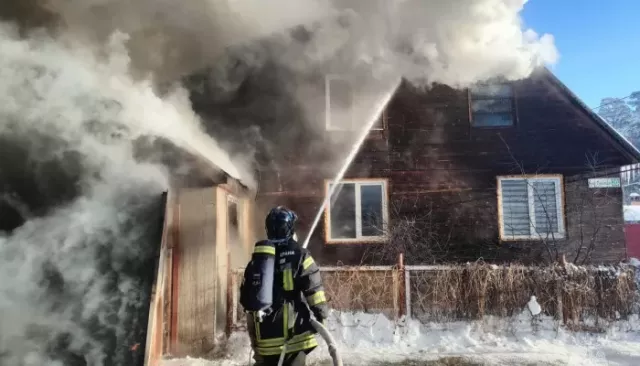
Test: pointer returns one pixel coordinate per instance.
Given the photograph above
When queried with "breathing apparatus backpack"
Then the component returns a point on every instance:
(256, 292)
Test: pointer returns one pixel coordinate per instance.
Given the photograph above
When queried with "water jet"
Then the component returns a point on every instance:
(371, 120)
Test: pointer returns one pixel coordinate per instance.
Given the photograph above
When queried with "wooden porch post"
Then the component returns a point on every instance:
(175, 268)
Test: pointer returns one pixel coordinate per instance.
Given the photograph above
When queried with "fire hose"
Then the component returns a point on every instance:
(331, 344)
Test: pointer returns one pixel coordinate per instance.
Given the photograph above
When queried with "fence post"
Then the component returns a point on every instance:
(559, 305)
(396, 290)
(394, 275)
(401, 287)
(407, 291)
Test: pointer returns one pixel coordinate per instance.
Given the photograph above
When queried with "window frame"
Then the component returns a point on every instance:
(359, 182)
(327, 101)
(383, 122)
(327, 112)
(560, 204)
(514, 106)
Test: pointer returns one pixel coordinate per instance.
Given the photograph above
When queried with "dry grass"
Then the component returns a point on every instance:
(367, 291)
(469, 292)
(583, 298)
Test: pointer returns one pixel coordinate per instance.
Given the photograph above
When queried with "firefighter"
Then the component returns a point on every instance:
(281, 289)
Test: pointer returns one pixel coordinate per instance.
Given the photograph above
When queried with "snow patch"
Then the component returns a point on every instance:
(364, 339)
(533, 306)
(631, 213)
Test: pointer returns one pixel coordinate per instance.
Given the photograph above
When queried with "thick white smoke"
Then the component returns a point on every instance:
(60, 98)
(82, 93)
(453, 42)
(171, 38)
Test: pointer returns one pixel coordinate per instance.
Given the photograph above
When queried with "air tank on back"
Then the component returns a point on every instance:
(259, 278)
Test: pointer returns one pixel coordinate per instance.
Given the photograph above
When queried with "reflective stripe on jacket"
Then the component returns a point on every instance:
(298, 289)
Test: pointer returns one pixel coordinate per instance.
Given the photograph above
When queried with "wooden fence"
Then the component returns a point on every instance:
(573, 295)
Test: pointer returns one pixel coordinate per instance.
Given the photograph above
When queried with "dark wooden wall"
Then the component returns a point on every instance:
(442, 174)
(441, 171)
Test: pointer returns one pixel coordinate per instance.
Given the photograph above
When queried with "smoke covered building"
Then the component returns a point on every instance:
(499, 172)
(516, 171)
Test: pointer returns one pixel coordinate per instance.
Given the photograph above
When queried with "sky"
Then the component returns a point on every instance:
(598, 41)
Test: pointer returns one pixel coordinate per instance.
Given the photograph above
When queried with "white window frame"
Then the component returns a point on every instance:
(359, 238)
(383, 121)
(534, 235)
(327, 94)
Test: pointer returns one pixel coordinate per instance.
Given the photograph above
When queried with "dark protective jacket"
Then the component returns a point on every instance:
(297, 292)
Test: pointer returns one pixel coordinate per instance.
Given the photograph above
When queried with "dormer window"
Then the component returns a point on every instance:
(492, 105)
(339, 104)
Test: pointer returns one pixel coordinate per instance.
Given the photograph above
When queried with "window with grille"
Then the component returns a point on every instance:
(531, 208)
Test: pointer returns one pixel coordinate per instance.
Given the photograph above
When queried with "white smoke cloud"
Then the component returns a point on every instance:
(66, 276)
(172, 38)
(92, 107)
(90, 87)
(454, 42)
(48, 86)
(461, 42)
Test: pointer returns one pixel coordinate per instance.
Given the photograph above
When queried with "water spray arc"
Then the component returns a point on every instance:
(375, 114)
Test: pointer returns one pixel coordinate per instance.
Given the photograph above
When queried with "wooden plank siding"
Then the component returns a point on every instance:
(197, 273)
(208, 232)
(436, 162)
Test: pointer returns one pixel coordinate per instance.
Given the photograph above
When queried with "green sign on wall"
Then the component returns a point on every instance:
(604, 183)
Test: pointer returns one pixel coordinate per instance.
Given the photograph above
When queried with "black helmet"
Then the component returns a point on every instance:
(280, 223)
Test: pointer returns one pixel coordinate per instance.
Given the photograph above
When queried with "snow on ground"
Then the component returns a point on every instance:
(631, 213)
(368, 339)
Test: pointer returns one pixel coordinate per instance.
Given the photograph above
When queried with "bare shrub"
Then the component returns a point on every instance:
(351, 289)
(418, 236)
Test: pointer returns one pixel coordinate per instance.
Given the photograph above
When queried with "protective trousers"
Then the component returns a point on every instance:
(291, 359)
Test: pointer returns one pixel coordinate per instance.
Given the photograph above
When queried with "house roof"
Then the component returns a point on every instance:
(192, 168)
(622, 144)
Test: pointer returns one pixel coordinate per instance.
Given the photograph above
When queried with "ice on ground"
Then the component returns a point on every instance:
(367, 339)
